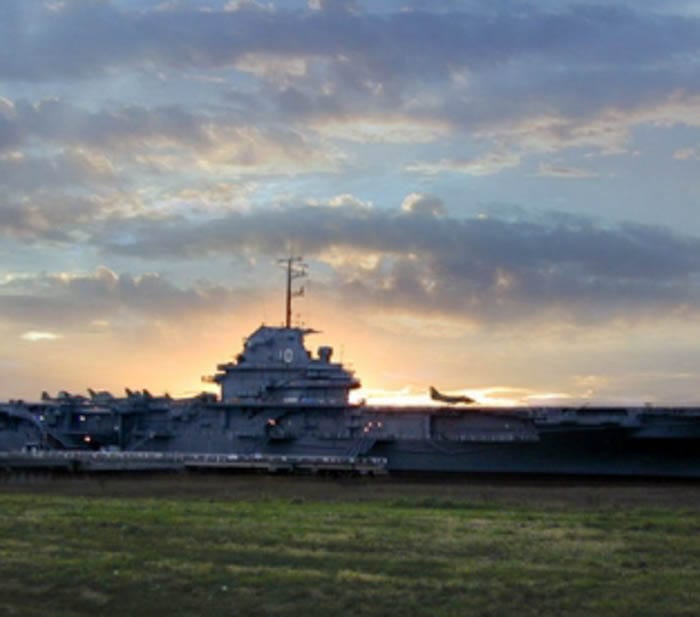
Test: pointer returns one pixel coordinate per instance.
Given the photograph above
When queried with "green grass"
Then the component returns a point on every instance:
(294, 546)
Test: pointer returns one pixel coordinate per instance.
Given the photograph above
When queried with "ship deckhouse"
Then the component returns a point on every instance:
(276, 367)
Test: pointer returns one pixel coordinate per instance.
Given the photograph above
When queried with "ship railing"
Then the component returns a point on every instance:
(188, 458)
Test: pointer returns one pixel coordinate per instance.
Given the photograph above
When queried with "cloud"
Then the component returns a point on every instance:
(70, 168)
(342, 53)
(420, 203)
(84, 301)
(54, 120)
(289, 91)
(334, 5)
(34, 336)
(606, 131)
(344, 200)
(477, 268)
(56, 217)
(380, 128)
(685, 154)
(208, 198)
(282, 82)
(130, 128)
(486, 165)
(167, 135)
(86, 37)
(563, 171)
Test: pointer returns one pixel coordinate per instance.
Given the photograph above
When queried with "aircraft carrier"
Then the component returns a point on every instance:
(283, 408)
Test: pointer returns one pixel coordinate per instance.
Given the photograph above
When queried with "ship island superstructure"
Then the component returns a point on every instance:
(276, 367)
(283, 407)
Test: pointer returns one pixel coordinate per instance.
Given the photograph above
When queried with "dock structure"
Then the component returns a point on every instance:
(83, 461)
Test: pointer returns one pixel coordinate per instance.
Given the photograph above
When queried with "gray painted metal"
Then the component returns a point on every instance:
(279, 403)
(19, 428)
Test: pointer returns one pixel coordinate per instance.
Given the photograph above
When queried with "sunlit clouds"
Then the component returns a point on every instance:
(497, 200)
(486, 165)
(35, 337)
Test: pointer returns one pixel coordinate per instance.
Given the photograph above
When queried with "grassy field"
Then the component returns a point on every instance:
(259, 545)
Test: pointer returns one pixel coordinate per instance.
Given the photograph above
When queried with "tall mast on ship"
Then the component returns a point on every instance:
(296, 269)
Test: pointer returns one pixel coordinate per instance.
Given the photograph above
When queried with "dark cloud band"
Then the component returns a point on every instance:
(482, 268)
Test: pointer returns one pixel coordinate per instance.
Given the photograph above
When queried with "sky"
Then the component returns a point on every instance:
(496, 198)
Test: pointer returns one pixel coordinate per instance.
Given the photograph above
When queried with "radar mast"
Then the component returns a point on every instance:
(296, 269)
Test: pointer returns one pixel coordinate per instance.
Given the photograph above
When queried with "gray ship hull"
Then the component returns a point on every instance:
(279, 400)
(555, 454)
(619, 442)
(442, 440)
